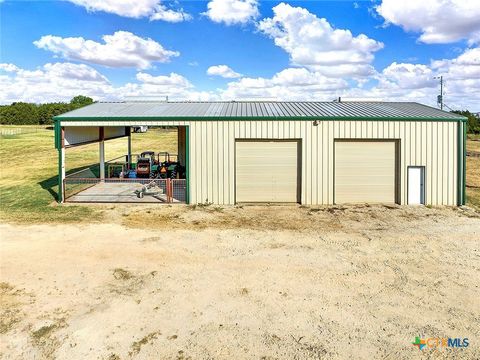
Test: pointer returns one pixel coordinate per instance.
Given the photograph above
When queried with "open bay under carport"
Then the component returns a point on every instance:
(313, 153)
(145, 177)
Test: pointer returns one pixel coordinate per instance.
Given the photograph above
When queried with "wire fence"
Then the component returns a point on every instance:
(12, 131)
(92, 189)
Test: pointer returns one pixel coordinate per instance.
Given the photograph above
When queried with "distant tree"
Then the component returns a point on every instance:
(473, 122)
(19, 113)
(81, 100)
(47, 111)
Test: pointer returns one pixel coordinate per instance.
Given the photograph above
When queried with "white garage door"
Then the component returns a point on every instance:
(266, 171)
(364, 172)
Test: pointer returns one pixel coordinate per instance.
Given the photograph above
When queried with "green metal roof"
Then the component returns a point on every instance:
(266, 110)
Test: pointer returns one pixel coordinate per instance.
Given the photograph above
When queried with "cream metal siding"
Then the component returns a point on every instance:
(266, 171)
(432, 144)
(365, 171)
(75, 136)
(80, 135)
(114, 132)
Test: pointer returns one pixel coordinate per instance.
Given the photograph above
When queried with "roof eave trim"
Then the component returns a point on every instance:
(253, 118)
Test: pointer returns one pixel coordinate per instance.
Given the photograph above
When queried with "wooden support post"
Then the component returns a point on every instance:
(169, 190)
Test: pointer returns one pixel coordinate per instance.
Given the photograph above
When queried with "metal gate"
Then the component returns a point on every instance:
(114, 190)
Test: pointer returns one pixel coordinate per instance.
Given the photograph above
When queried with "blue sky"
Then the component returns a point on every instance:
(396, 59)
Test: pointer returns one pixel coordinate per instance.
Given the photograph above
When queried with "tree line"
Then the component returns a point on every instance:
(21, 113)
(473, 122)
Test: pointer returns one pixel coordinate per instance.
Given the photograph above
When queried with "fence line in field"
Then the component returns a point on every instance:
(21, 130)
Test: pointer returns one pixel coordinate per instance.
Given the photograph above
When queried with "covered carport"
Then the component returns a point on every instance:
(118, 179)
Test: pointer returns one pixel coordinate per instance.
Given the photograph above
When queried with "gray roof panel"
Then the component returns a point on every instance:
(259, 109)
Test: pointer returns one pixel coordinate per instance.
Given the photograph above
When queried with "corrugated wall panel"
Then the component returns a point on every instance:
(315, 165)
(75, 136)
(231, 162)
(209, 162)
(221, 162)
(331, 144)
(215, 176)
(405, 140)
(114, 131)
(434, 164)
(428, 172)
(322, 178)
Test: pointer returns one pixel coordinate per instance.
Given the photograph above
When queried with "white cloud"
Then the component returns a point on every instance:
(175, 86)
(232, 11)
(223, 71)
(59, 81)
(439, 21)
(408, 76)
(169, 15)
(74, 72)
(122, 49)
(312, 42)
(9, 67)
(153, 9)
(396, 82)
(464, 67)
(288, 84)
(415, 82)
(172, 80)
(62, 81)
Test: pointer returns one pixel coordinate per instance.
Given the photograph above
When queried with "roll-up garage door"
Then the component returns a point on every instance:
(364, 172)
(266, 171)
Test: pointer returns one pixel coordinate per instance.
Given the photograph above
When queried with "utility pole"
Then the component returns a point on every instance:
(440, 97)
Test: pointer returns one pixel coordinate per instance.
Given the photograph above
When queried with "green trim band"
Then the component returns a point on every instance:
(461, 163)
(56, 127)
(459, 166)
(252, 118)
(58, 145)
(60, 190)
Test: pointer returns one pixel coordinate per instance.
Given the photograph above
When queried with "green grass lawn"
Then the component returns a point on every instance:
(28, 177)
(473, 172)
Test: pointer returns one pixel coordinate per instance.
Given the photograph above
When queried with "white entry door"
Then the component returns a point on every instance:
(416, 186)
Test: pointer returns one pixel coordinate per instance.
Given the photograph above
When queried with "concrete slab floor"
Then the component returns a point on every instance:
(116, 193)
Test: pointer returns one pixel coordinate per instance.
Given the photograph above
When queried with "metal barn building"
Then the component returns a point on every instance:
(312, 153)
